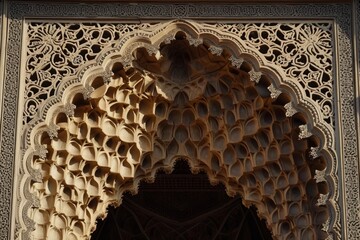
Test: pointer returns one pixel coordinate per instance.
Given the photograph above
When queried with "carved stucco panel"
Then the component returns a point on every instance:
(302, 50)
(341, 14)
(127, 134)
(308, 59)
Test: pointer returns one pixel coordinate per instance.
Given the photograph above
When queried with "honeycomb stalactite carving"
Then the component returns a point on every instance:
(308, 59)
(183, 101)
(58, 50)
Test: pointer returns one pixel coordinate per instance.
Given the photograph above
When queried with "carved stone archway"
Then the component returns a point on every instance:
(195, 93)
(181, 206)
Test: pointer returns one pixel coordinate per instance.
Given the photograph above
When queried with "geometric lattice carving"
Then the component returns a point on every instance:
(57, 50)
(303, 51)
(181, 101)
(333, 18)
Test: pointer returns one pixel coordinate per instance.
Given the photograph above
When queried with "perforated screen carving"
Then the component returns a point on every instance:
(341, 21)
(58, 50)
(153, 97)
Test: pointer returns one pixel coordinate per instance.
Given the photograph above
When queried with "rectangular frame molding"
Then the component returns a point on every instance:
(346, 86)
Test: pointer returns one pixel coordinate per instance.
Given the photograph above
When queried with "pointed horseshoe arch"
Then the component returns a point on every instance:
(182, 90)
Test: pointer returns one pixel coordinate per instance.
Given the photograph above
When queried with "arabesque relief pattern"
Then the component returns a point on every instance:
(22, 14)
(182, 101)
(58, 50)
(308, 59)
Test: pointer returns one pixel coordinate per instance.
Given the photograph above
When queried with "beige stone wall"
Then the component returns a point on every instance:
(14, 91)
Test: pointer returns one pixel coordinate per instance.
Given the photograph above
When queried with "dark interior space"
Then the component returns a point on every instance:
(181, 206)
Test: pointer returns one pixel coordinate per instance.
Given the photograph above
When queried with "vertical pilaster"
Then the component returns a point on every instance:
(5, 213)
(356, 64)
(356, 39)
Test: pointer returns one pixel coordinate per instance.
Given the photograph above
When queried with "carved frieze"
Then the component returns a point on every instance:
(298, 55)
(176, 100)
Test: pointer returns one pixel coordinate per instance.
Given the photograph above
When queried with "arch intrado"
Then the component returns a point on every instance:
(192, 93)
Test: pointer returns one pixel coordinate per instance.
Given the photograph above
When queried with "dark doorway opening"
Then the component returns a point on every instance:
(181, 206)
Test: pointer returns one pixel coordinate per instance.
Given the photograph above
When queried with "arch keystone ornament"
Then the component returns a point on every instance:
(180, 90)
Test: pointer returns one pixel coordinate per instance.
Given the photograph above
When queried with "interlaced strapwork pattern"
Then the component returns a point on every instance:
(58, 50)
(302, 50)
(225, 124)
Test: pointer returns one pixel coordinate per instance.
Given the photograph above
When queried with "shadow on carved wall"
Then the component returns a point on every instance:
(181, 205)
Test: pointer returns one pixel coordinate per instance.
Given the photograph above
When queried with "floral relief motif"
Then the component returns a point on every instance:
(255, 76)
(58, 50)
(131, 112)
(304, 132)
(69, 109)
(314, 152)
(82, 45)
(41, 151)
(340, 15)
(320, 175)
(290, 110)
(322, 199)
(236, 62)
(302, 50)
(274, 93)
(215, 50)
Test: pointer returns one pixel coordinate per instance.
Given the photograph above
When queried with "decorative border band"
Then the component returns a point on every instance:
(341, 13)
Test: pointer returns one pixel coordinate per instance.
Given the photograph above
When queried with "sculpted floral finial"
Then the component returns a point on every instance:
(255, 76)
(274, 93)
(314, 152)
(320, 175)
(41, 151)
(69, 109)
(87, 90)
(215, 50)
(304, 132)
(236, 62)
(195, 41)
(322, 199)
(290, 110)
(52, 130)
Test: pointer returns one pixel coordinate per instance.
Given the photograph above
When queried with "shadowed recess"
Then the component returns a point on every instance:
(181, 205)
